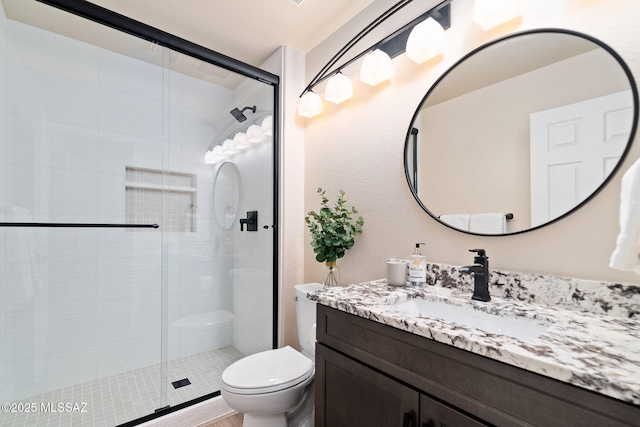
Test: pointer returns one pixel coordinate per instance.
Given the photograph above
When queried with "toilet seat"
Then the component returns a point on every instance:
(267, 372)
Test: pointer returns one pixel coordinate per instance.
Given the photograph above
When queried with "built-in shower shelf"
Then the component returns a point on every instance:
(167, 197)
(160, 187)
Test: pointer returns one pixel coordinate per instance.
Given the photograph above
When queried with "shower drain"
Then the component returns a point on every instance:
(181, 383)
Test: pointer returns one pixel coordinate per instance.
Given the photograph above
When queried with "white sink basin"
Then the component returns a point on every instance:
(523, 329)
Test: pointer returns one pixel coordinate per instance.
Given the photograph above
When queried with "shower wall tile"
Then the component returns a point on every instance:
(116, 151)
(127, 354)
(21, 378)
(128, 75)
(20, 334)
(128, 317)
(58, 99)
(20, 189)
(69, 328)
(111, 197)
(197, 126)
(68, 147)
(66, 368)
(202, 96)
(31, 149)
(34, 48)
(71, 193)
(174, 159)
(175, 88)
(130, 114)
(52, 194)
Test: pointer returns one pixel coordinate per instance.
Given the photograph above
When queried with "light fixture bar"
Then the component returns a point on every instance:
(322, 75)
(393, 45)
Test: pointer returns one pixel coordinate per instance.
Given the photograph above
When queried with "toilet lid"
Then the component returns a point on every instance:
(267, 371)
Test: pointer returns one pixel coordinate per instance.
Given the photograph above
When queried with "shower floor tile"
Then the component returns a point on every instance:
(127, 396)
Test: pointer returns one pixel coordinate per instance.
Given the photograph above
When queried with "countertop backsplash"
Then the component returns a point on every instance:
(590, 296)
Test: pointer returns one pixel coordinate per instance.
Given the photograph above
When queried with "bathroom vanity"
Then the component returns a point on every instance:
(378, 364)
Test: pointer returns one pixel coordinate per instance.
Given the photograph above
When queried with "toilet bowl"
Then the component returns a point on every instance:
(269, 385)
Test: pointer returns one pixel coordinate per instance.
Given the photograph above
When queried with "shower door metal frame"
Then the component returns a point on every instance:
(128, 25)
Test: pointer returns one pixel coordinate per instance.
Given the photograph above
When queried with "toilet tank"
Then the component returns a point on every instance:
(306, 317)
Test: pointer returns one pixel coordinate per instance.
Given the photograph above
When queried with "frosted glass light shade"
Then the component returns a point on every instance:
(376, 68)
(218, 152)
(209, 157)
(214, 156)
(240, 141)
(339, 89)
(267, 126)
(310, 105)
(491, 13)
(427, 40)
(228, 147)
(254, 134)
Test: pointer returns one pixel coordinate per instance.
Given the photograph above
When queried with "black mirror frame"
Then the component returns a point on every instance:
(634, 90)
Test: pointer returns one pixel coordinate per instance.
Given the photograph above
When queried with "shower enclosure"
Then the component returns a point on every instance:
(129, 274)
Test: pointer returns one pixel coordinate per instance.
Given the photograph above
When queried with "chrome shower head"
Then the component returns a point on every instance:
(239, 114)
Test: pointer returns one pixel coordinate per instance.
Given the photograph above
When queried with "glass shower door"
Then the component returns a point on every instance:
(81, 288)
(220, 268)
(105, 131)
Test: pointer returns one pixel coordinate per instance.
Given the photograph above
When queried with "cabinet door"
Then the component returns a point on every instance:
(350, 394)
(435, 414)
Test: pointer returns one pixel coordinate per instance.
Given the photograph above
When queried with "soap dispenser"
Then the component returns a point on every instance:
(418, 268)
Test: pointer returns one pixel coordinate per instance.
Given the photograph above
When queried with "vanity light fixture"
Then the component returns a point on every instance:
(229, 142)
(427, 40)
(209, 157)
(267, 126)
(254, 134)
(215, 155)
(228, 148)
(377, 65)
(376, 68)
(491, 13)
(339, 89)
(240, 141)
(310, 105)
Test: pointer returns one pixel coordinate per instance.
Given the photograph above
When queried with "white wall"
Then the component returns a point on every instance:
(288, 63)
(86, 303)
(358, 147)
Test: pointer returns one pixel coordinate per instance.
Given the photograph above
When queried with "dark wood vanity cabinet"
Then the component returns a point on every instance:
(356, 395)
(369, 374)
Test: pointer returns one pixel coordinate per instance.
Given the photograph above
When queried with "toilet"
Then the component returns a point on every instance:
(269, 386)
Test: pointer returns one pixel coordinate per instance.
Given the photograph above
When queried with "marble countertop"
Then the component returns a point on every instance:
(593, 351)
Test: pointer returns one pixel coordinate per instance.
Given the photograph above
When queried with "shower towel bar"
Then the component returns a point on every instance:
(63, 225)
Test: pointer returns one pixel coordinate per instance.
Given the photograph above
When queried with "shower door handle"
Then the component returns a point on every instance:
(251, 221)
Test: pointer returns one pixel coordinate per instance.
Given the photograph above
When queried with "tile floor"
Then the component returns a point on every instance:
(127, 396)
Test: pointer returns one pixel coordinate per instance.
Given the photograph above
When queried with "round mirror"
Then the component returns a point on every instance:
(226, 194)
(520, 132)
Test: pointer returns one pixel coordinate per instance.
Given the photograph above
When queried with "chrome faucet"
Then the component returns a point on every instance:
(480, 270)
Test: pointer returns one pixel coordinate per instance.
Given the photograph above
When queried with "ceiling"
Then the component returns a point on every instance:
(247, 30)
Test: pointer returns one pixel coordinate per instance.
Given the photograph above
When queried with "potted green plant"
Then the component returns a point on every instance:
(333, 232)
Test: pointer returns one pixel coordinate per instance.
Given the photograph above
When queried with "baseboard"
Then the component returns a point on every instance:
(195, 415)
